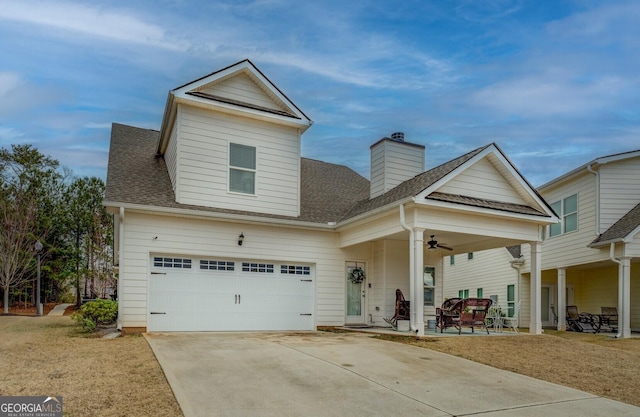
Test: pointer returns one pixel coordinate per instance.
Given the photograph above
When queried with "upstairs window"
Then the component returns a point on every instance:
(567, 211)
(242, 169)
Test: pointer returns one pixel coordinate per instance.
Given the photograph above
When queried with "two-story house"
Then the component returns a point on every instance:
(590, 258)
(221, 224)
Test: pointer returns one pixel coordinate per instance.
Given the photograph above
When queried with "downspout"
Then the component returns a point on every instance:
(597, 175)
(412, 268)
(517, 264)
(612, 247)
(120, 265)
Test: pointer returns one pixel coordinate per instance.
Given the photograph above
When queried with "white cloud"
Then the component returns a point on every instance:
(9, 82)
(90, 20)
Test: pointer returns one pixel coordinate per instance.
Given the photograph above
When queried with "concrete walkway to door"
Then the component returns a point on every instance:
(350, 374)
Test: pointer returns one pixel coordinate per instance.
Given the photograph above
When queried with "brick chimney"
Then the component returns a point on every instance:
(393, 161)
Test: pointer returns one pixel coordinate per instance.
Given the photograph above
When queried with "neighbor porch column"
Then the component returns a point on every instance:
(417, 303)
(624, 303)
(535, 324)
(561, 307)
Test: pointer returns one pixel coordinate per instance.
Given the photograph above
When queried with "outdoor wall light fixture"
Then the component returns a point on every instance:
(240, 239)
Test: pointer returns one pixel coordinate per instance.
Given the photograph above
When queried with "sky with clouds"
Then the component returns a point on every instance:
(554, 83)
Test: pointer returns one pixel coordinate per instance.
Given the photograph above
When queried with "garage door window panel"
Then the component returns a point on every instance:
(295, 269)
(214, 265)
(257, 267)
(166, 262)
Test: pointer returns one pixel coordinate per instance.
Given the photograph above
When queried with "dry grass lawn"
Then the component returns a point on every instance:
(95, 377)
(597, 364)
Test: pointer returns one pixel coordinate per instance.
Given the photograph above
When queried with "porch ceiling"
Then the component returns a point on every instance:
(459, 242)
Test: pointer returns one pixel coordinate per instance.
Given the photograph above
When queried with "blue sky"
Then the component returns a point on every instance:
(554, 83)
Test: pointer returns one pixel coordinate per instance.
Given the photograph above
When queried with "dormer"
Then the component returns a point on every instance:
(231, 140)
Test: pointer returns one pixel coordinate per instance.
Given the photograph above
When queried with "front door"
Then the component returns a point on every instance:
(547, 309)
(355, 290)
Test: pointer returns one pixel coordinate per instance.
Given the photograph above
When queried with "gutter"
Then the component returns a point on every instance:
(120, 264)
(181, 212)
(517, 264)
(412, 267)
(597, 175)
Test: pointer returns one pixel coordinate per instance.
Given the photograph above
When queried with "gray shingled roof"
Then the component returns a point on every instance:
(515, 250)
(329, 192)
(135, 175)
(484, 203)
(620, 229)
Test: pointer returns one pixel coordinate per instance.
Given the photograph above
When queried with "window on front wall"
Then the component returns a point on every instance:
(479, 292)
(242, 168)
(429, 279)
(567, 211)
(511, 300)
(463, 294)
(452, 260)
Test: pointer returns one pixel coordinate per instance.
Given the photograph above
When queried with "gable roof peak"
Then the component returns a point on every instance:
(265, 102)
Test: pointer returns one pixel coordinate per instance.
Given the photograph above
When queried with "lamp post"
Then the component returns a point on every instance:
(38, 305)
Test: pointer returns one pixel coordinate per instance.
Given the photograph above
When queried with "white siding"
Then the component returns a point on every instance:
(203, 162)
(192, 237)
(619, 190)
(571, 248)
(171, 159)
(482, 180)
(377, 186)
(489, 270)
(241, 88)
(392, 163)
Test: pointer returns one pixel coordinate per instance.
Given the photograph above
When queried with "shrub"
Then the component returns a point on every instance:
(96, 312)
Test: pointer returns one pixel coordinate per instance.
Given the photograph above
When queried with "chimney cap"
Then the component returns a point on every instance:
(397, 136)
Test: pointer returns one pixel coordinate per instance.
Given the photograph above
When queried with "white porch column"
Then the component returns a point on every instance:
(417, 303)
(561, 308)
(624, 301)
(535, 323)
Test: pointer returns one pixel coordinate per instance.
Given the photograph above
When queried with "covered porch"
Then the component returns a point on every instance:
(399, 253)
(594, 288)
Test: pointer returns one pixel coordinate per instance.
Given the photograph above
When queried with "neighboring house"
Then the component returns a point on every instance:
(590, 258)
(220, 224)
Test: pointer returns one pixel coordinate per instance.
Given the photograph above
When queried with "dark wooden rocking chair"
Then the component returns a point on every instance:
(403, 310)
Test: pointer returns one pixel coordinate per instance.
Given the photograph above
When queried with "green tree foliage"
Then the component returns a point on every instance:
(41, 201)
(90, 228)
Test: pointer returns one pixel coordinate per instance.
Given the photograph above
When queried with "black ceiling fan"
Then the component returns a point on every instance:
(433, 244)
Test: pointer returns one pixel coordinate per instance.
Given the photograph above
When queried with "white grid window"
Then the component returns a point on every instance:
(257, 267)
(166, 262)
(242, 169)
(295, 269)
(217, 265)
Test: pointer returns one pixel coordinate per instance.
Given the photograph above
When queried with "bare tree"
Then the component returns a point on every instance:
(17, 245)
(25, 179)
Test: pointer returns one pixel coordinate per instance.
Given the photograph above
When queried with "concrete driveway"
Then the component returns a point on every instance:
(350, 374)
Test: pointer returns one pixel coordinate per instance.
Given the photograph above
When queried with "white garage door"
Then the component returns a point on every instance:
(189, 294)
